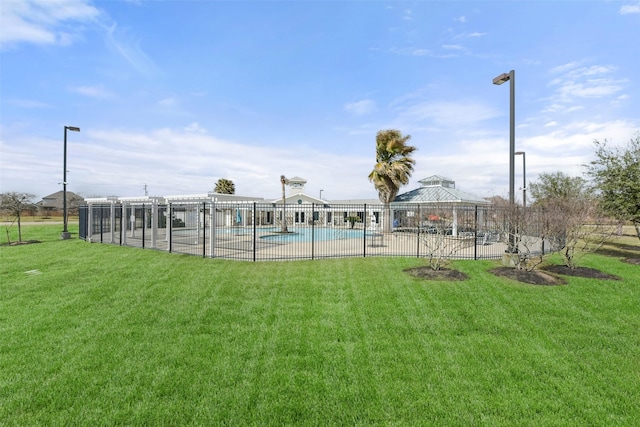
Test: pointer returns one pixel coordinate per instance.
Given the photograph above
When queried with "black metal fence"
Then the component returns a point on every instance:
(267, 231)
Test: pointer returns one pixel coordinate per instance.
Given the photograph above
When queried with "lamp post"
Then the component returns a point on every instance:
(65, 233)
(524, 177)
(321, 193)
(511, 78)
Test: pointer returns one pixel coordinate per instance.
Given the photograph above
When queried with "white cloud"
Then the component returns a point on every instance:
(360, 108)
(28, 103)
(194, 127)
(410, 51)
(112, 162)
(92, 91)
(563, 68)
(574, 81)
(42, 21)
(469, 35)
(189, 160)
(129, 48)
(167, 102)
(446, 114)
(629, 9)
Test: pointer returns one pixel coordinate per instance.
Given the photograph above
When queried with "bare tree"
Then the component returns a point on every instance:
(438, 238)
(573, 221)
(575, 227)
(521, 230)
(14, 204)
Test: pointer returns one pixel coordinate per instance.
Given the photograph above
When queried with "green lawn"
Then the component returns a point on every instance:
(95, 334)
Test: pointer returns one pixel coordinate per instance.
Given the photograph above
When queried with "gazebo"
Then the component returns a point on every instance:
(438, 191)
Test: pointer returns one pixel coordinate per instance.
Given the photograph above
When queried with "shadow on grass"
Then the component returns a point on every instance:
(628, 252)
(24, 242)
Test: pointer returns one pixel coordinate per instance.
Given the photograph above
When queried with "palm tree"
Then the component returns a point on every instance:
(393, 168)
(225, 186)
(284, 181)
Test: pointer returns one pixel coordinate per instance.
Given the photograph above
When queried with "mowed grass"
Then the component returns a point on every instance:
(95, 334)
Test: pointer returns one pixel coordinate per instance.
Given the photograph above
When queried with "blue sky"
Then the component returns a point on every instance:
(177, 94)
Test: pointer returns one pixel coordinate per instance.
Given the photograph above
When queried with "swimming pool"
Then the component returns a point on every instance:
(317, 234)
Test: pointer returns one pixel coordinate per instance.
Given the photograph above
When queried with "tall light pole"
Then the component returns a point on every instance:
(524, 177)
(321, 194)
(65, 233)
(511, 78)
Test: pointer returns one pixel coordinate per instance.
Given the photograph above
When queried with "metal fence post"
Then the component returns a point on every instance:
(418, 233)
(170, 227)
(212, 228)
(254, 232)
(475, 234)
(364, 234)
(204, 229)
(101, 224)
(120, 225)
(313, 225)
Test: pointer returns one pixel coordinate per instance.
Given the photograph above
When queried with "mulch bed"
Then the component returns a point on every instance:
(591, 273)
(444, 274)
(535, 277)
(633, 261)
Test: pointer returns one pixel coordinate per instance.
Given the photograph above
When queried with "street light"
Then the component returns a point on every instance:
(511, 77)
(524, 177)
(65, 233)
(321, 194)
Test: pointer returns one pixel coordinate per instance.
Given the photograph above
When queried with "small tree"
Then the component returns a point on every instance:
(440, 245)
(551, 187)
(572, 220)
(14, 204)
(616, 176)
(225, 186)
(574, 226)
(352, 219)
(521, 231)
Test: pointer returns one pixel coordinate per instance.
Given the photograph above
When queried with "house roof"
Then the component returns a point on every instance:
(438, 180)
(293, 199)
(55, 200)
(437, 189)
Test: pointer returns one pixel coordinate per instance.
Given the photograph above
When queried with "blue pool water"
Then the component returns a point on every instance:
(317, 234)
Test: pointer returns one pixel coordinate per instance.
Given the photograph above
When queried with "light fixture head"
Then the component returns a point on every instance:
(73, 128)
(518, 153)
(501, 79)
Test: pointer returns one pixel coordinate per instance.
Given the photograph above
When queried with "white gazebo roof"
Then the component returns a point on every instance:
(438, 189)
